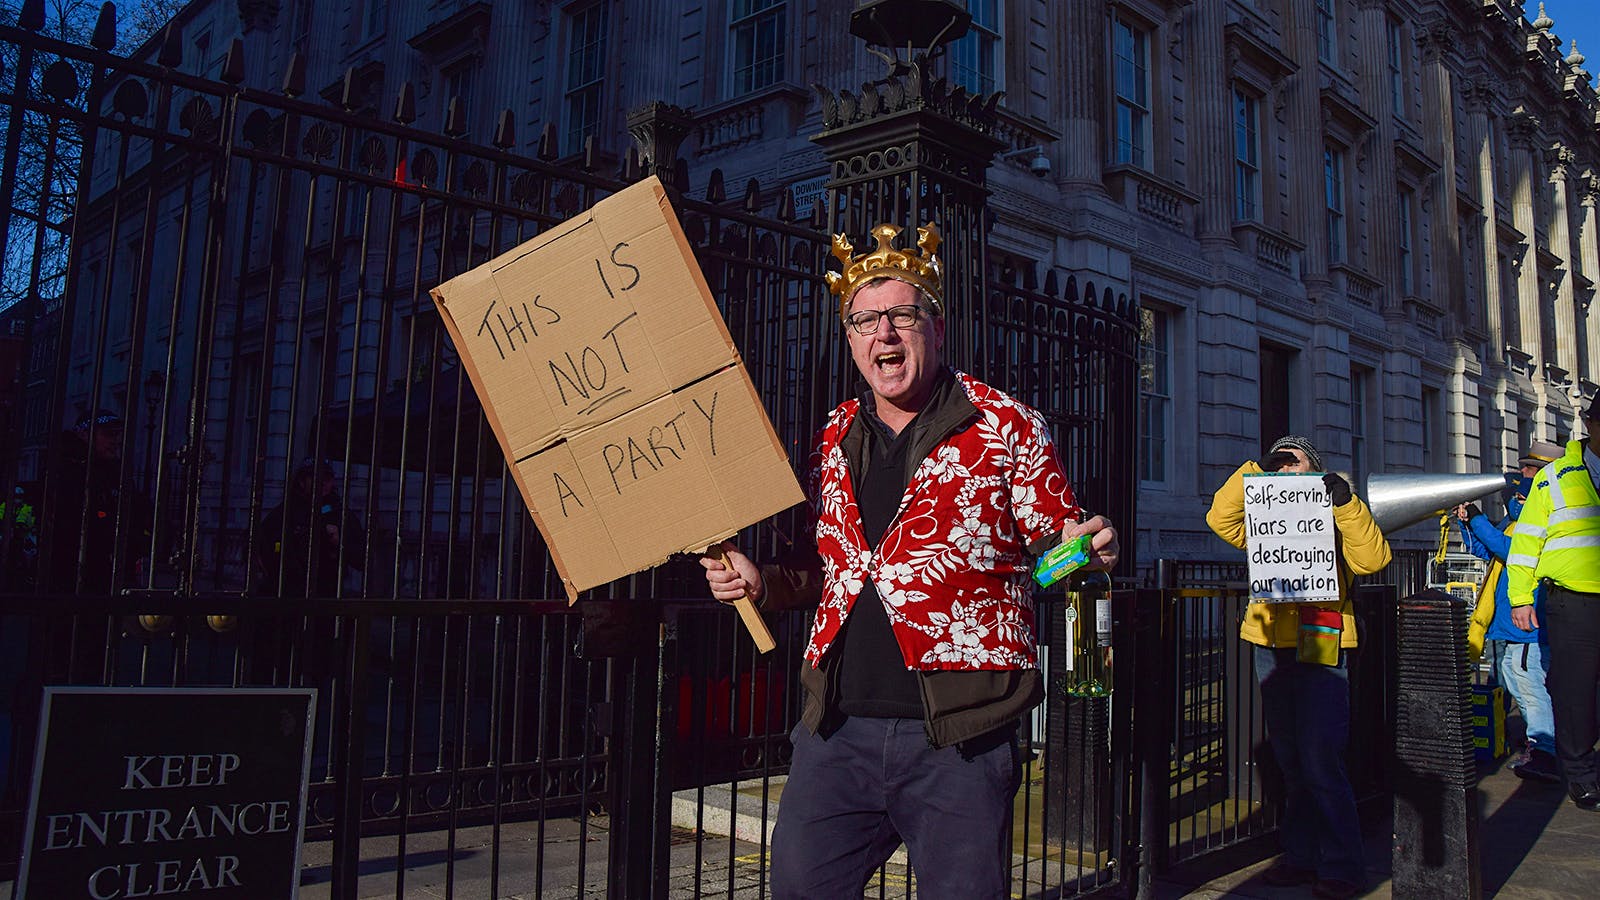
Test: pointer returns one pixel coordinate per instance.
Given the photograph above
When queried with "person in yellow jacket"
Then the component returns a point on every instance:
(1306, 704)
(1557, 544)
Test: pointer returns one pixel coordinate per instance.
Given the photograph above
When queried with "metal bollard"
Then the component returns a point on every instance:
(1435, 785)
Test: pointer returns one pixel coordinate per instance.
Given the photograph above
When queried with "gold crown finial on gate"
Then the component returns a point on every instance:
(920, 270)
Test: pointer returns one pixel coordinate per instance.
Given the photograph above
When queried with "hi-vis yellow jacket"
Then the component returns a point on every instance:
(1362, 551)
(1558, 535)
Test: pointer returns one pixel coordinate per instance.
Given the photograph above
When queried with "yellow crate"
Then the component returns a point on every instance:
(1489, 721)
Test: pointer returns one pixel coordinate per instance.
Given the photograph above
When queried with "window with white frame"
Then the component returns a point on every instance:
(1404, 203)
(975, 58)
(759, 32)
(1131, 46)
(1246, 157)
(1327, 38)
(1397, 69)
(586, 66)
(1155, 392)
(1333, 190)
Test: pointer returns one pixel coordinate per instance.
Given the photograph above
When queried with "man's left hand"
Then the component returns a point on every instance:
(1104, 548)
(1338, 488)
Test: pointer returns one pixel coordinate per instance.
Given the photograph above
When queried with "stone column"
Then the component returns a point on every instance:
(1384, 218)
(943, 145)
(652, 27)
(1524, 130)
(1589, 254)
(1479, 95)
(1307, 202)
(1085, 71)
(1562, 345)
(1211, 122)
(1438, 41)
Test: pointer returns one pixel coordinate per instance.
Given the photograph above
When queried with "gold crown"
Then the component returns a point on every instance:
(920, 270)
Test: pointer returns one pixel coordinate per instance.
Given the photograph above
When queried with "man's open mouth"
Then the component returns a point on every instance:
(889, 360)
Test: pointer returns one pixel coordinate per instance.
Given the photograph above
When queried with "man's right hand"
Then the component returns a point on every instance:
(1524, 617)
(743, 580)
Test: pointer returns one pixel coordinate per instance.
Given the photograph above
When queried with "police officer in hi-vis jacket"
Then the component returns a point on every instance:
(1557, 544)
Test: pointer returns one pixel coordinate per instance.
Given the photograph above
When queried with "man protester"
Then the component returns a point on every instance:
(932, 494)
(1306, 701)
(1556, 545)
(1518, 655)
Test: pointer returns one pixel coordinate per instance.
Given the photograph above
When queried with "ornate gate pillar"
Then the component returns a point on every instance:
(911, 148)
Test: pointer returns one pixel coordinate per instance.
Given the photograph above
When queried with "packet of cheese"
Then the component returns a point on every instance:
(1066, 558)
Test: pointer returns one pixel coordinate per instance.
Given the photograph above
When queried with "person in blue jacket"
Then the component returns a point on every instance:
(1519, 656)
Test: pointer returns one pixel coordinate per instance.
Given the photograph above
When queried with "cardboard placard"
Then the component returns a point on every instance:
(195, 792)
(1289, 536)
(617, 395)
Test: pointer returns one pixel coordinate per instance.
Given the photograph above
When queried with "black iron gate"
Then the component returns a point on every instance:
(237, 449)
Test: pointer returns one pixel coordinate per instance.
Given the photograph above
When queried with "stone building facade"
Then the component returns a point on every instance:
(1368, 221)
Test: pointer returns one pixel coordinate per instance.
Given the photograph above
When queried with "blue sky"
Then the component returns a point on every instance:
(1575, 19)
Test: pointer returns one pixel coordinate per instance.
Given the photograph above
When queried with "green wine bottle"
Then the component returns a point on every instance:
(1088, 617)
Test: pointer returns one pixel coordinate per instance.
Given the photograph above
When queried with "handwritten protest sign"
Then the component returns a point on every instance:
(631, 426)
(1289, 536)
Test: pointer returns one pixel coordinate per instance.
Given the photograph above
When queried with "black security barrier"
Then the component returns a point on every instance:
(225, 280)
(236, 275)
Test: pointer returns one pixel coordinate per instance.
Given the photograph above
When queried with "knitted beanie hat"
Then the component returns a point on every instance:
(1302, 444)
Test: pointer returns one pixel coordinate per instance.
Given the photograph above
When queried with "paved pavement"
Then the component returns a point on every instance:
(574, 855)
(1532, 844)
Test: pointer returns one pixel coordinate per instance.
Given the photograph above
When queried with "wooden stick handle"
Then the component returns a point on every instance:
(751, 616)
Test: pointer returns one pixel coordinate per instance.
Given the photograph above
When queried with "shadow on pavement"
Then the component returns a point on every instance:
(372, 866)
(1507, 836)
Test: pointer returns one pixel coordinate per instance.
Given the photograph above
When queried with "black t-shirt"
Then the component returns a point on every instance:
(873, 679)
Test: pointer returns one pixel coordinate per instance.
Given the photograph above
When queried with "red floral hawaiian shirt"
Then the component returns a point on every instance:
(953, 568)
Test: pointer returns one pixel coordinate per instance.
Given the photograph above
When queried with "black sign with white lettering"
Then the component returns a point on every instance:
(149, 792)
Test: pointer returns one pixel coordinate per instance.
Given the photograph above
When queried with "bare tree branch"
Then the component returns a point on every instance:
(50, 148)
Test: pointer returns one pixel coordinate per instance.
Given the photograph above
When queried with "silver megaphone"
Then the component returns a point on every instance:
(1398, 501)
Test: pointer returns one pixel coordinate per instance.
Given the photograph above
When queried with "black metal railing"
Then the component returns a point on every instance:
(1222, 785)
(503, 726)
(514, 718)
(238, 278)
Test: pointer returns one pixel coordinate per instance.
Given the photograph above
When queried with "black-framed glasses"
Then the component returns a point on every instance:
(866, 321)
